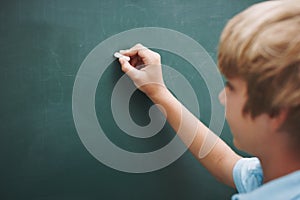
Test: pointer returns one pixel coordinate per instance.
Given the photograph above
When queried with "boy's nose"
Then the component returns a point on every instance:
(222, 97)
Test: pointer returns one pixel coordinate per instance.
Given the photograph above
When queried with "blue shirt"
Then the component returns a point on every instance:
(248, 178)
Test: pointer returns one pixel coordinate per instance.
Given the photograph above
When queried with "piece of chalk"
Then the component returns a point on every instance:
(119, 55)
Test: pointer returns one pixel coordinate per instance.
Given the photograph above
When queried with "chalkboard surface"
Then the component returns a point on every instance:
(42, 45)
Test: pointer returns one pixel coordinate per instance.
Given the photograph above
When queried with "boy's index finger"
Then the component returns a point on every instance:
(128, 52)
(137, 49)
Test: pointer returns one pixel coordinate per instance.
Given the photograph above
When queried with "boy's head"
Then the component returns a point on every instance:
(261, 45)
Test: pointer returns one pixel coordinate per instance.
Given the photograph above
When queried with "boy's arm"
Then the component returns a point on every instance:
(221, 159)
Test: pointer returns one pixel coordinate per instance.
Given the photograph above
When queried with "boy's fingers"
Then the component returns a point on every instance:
(129, 52)
(127, 68)
(137, 49)
(124, 64)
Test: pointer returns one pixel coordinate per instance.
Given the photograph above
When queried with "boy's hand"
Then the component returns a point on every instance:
(144, 69)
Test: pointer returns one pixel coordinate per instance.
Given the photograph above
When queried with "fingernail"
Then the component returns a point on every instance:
(122, 51)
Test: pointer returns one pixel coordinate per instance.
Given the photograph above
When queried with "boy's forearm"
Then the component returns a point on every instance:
(220, 160)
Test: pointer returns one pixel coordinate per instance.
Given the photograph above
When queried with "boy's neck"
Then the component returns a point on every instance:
(279, 164)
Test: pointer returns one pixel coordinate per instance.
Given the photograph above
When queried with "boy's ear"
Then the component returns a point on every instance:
(277, 120)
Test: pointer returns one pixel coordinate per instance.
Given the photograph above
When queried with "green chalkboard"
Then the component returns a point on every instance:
(42, 46)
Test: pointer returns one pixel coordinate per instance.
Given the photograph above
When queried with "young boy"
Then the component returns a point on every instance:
(259, 54)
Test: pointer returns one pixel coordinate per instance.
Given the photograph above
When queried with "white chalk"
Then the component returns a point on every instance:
(119, 55)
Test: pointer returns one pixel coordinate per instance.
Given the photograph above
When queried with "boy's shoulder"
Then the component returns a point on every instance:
(248, 177)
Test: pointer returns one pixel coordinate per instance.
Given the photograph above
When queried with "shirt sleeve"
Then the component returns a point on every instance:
(247, 175)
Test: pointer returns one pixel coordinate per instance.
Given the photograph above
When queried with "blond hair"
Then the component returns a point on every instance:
(261, 45)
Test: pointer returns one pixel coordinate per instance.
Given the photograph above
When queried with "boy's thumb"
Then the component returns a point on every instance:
(125, 65)
(127, 68)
